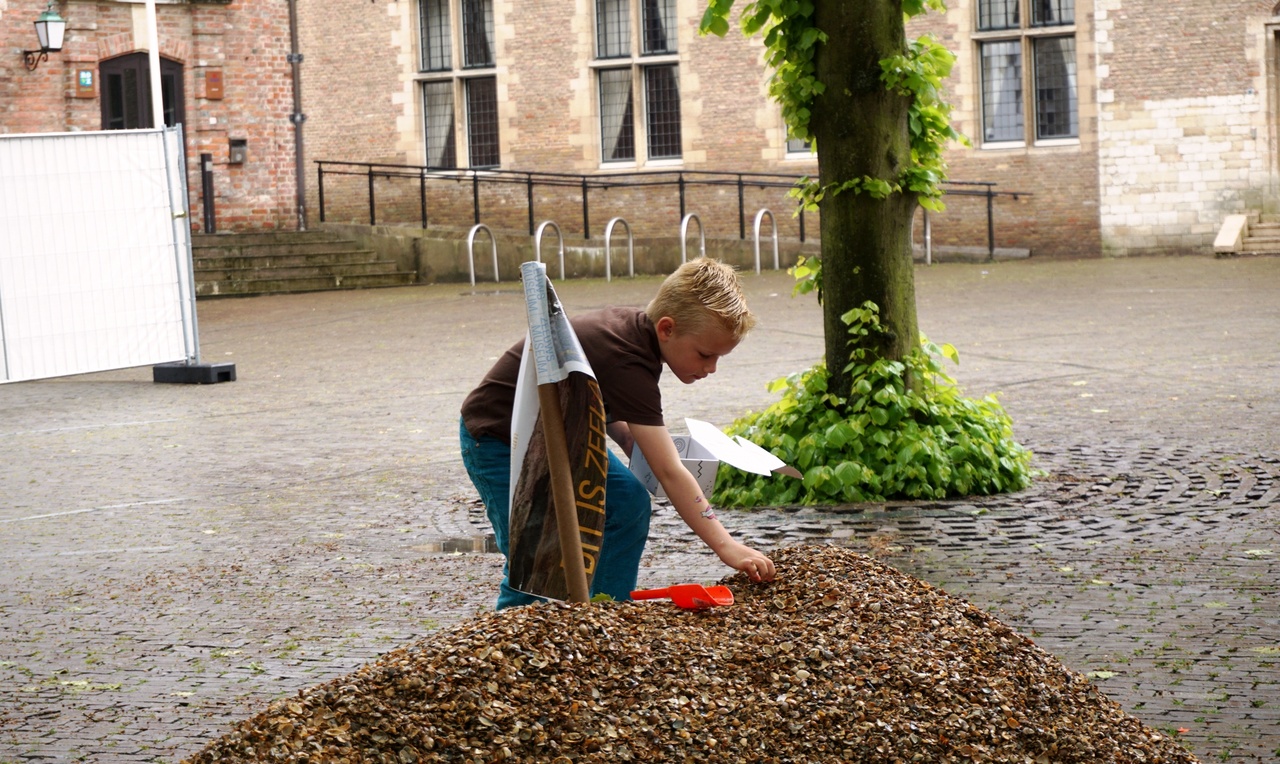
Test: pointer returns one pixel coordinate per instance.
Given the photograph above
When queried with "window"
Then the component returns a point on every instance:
(459, 88)
(796, 147)
(1011, 32)
(637, 61)
(126, 92)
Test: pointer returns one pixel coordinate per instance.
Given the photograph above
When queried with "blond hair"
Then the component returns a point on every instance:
(700, 292)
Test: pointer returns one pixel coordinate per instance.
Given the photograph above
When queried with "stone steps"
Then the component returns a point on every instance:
(287, 261)
(1262, 237)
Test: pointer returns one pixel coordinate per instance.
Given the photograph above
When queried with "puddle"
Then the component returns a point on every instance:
(484, 544)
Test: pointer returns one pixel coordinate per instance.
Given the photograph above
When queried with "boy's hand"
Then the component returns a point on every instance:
(741, 557)
(686, 496)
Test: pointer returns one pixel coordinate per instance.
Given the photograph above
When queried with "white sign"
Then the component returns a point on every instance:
(701, 452)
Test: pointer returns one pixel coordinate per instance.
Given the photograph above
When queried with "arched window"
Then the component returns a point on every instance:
(126, 92)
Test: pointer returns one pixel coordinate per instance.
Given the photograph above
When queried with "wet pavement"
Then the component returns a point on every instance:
(177, 556)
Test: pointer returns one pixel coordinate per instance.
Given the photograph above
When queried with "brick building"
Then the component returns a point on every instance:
(518, 85)
(225, 77)
(1125, 126)
(1169, 122)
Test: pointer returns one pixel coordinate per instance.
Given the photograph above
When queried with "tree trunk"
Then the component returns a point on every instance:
(861, 130)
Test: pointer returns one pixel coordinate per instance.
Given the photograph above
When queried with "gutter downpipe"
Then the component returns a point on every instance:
(297, 118)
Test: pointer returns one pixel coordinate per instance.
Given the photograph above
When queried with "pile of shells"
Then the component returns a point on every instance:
(840, 659)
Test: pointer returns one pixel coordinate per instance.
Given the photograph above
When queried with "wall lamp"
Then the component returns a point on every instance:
(50, 29)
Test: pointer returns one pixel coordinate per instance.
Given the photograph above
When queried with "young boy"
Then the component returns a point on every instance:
(698, 316)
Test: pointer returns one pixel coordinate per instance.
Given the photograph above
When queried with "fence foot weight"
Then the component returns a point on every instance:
(193, 374)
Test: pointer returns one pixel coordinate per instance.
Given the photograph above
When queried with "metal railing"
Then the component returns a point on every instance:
(979, 188)
(681, 180)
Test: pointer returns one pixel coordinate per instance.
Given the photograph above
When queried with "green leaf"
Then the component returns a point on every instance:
(887, 440)
(715, 18)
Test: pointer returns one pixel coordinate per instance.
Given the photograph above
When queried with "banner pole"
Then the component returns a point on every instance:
(153, 59)
(575, 571)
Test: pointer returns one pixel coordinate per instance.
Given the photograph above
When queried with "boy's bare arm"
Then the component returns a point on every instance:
(692, 506)
(621, 434)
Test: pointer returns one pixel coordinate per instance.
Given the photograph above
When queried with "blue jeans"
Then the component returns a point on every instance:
(626, 517)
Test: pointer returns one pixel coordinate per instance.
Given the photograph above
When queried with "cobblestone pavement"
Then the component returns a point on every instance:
(176, 556)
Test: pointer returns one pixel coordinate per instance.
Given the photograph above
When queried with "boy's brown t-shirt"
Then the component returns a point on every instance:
(622, 347)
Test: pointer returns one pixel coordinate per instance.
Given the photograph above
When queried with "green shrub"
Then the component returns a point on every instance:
(888, 440)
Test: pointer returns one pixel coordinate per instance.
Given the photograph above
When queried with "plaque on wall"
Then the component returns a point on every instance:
(213, 84)
(85, 87)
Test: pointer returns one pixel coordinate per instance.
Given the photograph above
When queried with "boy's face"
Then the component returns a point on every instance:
(692, 355)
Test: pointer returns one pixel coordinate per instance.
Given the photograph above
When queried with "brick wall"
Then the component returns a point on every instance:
(549, 92)
(356, 57)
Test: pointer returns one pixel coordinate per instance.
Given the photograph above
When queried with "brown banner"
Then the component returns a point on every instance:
(536, 566)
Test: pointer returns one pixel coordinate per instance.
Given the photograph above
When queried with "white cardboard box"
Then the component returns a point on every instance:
(701, 452)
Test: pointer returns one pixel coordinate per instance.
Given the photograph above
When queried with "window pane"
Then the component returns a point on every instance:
(1052, 12)
(998, 14)
(437, 50)
(613, 28)
(437, 99)
(132, 98)
(119, 98)
(477, 31)
(1002, 91)
(798, 146)
(482, 121)
(1056, 88)
(662, 102)
(617, 117)
(660, 26)
(169, 83)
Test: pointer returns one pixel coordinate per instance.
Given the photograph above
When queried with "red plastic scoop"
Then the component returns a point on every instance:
(688, 596)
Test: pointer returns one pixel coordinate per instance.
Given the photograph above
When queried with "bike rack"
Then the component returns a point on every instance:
(702, 238)
(774, 224)
(631, 250)
(471, 255)
(537, 244)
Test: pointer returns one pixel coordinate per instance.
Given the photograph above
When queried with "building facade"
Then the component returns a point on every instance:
(596, 88)
(1136, 126)
(225, 76)
(1108, 127)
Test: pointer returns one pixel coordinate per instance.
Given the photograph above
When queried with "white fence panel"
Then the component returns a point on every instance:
(95, 253)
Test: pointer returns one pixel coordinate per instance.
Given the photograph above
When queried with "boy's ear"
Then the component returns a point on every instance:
(666, 327)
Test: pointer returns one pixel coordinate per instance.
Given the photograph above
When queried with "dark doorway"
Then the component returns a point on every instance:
(126, 92)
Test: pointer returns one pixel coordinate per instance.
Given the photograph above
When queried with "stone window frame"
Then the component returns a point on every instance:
(637, 61)
(457, 73)
(1021, 28)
